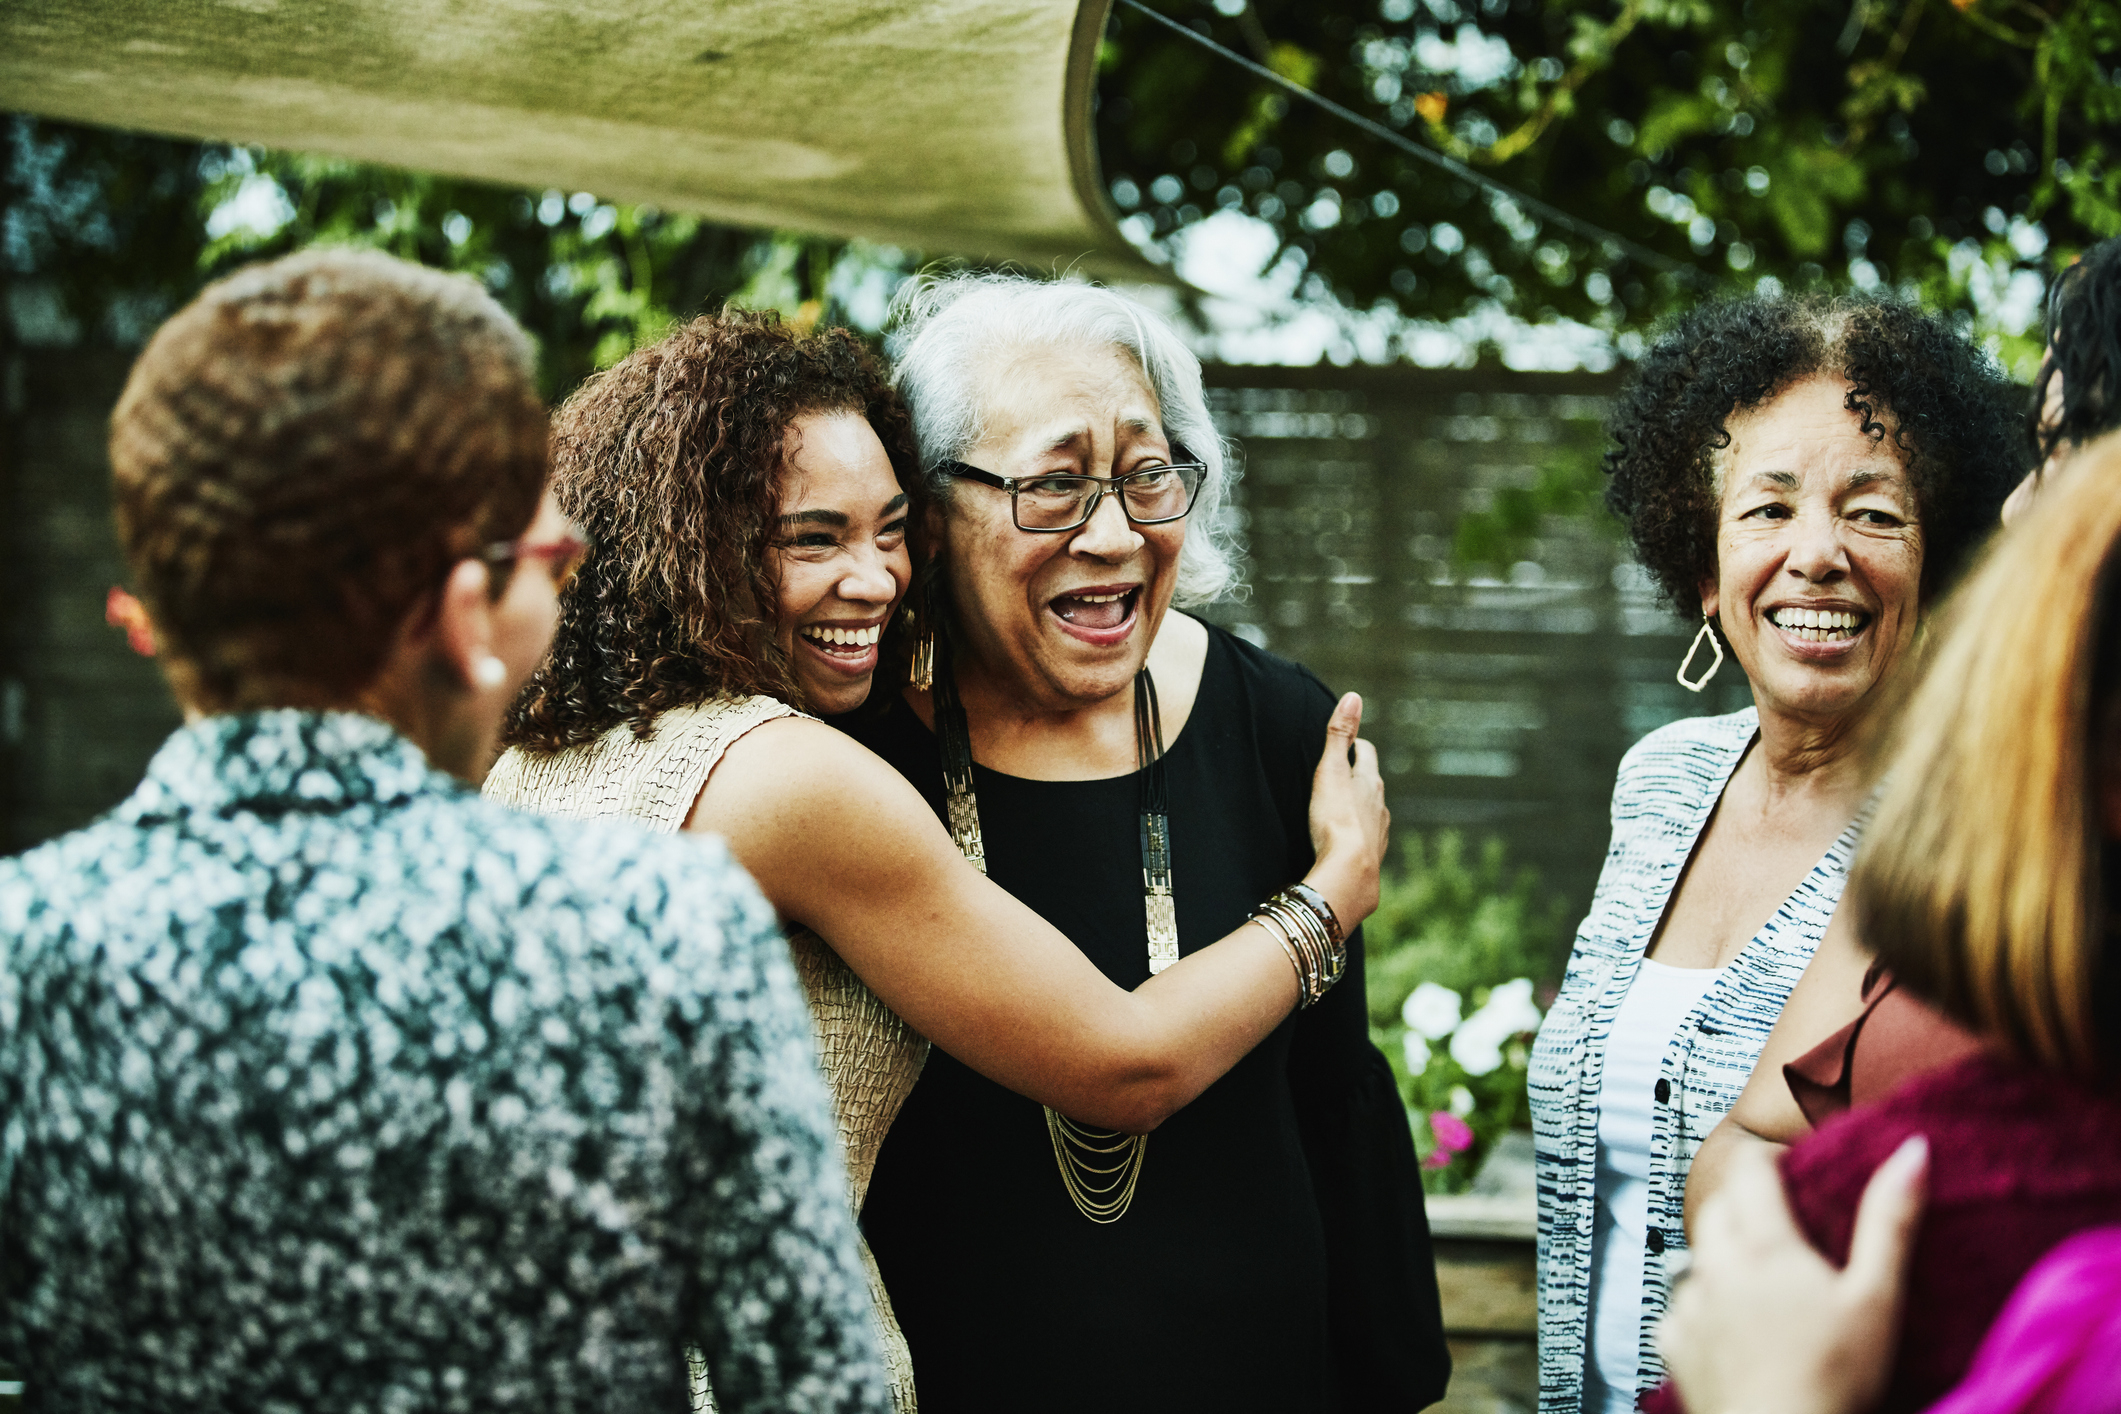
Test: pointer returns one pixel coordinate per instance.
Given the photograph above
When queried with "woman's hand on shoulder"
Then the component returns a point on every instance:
(1762, 1324)
(1350, 825)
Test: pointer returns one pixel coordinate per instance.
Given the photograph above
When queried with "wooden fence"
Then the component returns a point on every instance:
(1502, 701)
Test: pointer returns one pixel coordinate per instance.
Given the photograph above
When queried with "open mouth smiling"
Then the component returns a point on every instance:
(1100, 614)
(849, 646)
(1819, 625)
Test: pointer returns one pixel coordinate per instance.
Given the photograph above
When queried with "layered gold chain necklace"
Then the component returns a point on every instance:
(1098, 1167)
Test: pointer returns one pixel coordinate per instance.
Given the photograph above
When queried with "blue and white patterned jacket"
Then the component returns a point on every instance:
(1668, 786)
(325, 1084)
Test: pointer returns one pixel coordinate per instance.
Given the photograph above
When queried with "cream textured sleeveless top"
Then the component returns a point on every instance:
(869, 1056)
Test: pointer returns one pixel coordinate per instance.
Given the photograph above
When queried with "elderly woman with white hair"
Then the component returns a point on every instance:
(1137, 777)
(735, 467)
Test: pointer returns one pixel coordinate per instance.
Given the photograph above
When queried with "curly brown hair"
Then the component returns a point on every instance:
(1952, 414)
(299, 456)
(672, 461)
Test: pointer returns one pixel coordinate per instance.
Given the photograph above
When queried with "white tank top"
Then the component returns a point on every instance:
(1643, 1030)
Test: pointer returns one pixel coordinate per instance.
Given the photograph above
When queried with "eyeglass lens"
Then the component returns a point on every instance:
(1061, 502)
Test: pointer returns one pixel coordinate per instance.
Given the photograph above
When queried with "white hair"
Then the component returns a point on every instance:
(944, 329)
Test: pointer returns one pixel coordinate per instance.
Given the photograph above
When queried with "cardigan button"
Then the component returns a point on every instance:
(1656, 1243)
(1664, 1092)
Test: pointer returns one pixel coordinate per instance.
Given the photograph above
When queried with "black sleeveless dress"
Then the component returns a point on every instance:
(1276, 1256)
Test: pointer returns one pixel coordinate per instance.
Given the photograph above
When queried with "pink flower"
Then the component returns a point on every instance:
(1453, 1135)
(1438, 1159)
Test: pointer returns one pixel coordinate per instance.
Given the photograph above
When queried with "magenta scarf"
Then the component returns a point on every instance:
(2056, 1349)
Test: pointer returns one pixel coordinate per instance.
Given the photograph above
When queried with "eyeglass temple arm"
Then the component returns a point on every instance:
(973, 473)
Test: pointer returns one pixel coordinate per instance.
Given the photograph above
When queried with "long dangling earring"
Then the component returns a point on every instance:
(1695, 647)
(923, 674)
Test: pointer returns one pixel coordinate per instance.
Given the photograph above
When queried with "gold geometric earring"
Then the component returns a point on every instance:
(1695, 647)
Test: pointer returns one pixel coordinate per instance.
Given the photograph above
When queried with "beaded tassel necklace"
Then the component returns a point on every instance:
(1098, 1167)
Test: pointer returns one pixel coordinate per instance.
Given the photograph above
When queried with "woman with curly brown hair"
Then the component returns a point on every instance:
(1806, 474)
(746, 490)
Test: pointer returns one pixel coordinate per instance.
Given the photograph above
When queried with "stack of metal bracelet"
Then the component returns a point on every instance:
(1303, 922)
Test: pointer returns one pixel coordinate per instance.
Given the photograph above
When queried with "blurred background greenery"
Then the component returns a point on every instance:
(1952, 150)
(106, 233)
(1484, 945)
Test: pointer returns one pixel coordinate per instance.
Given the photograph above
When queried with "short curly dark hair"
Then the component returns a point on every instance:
(1947, 406)
(672, 461)
(299, 456)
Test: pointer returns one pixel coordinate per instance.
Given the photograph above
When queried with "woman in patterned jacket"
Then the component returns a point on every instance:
(326, 1084)
(1806, 474)
(1987, 886)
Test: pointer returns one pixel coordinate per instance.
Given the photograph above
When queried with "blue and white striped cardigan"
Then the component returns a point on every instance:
(1668, 786)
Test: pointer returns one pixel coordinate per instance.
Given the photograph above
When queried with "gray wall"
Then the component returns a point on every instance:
(79, 713)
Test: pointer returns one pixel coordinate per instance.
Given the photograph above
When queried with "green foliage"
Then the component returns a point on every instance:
(106, 222)
(111, 232)
(1466, 922)
(590, 279)
(1869, 145)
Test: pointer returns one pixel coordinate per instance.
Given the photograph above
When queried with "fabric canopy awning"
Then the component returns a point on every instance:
(952, 126)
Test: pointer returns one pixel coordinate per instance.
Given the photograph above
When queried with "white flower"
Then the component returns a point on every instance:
(1509, 1012)
(1417, 1053)
(1472, 1049)
(1512, 1008)
(1461, 1101)
(1432, 1010)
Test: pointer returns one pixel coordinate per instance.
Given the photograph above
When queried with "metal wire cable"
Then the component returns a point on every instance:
(1589, 231)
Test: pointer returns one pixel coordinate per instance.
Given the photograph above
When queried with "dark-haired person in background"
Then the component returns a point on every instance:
(1807, 474)
(2077, 395)
(325, 1083)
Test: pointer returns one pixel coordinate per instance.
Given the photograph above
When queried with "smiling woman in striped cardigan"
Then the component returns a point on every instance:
(1807, 475)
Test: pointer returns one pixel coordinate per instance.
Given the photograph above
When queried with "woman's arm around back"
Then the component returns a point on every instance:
(844, 845)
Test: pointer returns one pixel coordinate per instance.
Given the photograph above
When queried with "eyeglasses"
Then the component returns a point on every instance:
(561, 557)
(1151, 496)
